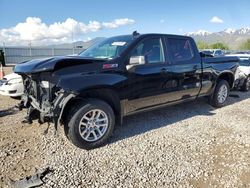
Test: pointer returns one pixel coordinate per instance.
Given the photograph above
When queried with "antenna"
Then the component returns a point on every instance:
(135, 34)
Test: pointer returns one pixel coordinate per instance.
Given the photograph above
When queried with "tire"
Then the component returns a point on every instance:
(217, 99)
(79, 114)
(246, 85)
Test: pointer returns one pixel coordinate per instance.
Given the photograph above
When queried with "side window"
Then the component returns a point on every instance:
(220, 52)
(217, 53)
(180, 49)
(151, 49)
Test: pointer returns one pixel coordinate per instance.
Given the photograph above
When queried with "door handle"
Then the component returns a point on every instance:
(164, 70)
(195, 67)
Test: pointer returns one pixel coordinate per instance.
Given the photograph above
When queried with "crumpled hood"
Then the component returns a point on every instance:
(49, 64)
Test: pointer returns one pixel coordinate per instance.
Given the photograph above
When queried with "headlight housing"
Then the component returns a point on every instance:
(14, 81)
(45, 84)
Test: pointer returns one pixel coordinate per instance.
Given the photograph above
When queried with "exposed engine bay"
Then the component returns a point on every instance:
(42, 98)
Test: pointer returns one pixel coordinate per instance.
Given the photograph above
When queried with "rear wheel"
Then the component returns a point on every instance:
(220, 95)
(90, 124)
(246, 85)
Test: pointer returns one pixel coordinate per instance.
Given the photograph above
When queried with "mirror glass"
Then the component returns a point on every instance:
(137, 60)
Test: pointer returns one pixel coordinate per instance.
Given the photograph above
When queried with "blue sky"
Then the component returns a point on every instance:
(161, 16)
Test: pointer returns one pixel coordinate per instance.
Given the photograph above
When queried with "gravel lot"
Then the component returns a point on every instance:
(187, 145)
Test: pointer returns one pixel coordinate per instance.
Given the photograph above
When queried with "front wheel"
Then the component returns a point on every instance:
(220, 95)
(246, 85)
(90, 124)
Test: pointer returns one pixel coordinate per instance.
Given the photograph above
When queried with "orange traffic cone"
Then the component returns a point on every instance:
(1, 72)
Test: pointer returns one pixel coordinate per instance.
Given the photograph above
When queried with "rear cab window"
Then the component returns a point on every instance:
(180, 50)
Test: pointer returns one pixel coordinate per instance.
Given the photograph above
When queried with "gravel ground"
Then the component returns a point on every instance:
(187, 145)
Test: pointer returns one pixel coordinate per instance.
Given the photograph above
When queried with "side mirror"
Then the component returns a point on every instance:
(135, 60)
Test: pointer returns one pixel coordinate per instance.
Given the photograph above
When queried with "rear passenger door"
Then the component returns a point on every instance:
(184, 68)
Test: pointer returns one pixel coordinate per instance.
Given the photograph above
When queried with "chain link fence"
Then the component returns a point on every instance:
(14, 55)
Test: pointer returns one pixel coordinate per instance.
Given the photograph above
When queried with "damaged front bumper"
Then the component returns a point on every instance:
(44, 111)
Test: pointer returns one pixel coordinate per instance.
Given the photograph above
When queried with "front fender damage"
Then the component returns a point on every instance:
(50, 112)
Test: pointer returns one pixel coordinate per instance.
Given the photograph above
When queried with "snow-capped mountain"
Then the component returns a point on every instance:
(229, 31)
(199, 33)
(232, 37)
(242, 31)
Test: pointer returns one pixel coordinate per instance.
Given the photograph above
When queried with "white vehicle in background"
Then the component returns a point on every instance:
(213, 52)
(242, 75)
(11, 85)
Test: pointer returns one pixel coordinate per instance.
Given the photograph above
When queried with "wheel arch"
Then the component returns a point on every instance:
(106, 94)
(228, 76)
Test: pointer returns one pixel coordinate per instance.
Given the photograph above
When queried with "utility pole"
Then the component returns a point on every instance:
(53, 50)
(72, 38)
(30, 48)
(3, 47)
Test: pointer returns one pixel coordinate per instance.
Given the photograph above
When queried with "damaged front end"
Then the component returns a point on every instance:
(45, 96)
(44, 100)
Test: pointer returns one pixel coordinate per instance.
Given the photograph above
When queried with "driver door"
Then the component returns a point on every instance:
(145, 83)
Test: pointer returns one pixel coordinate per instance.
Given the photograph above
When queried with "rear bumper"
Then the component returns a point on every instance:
(239, 82)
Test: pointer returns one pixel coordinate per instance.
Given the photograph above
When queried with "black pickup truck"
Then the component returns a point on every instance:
(91, 93)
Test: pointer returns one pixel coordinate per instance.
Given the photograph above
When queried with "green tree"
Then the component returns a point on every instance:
(245, 45)
(202, 45)
(219, 45)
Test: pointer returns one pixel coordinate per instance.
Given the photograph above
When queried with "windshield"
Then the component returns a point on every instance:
(244, 62)
(109, 48)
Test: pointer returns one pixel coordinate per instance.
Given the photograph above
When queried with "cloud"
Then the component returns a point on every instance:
(162, 21)
(180, 30)
(33, 29)
(118, 22)
(216, 20)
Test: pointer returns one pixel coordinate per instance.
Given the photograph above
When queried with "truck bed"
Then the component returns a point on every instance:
(222, 59)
